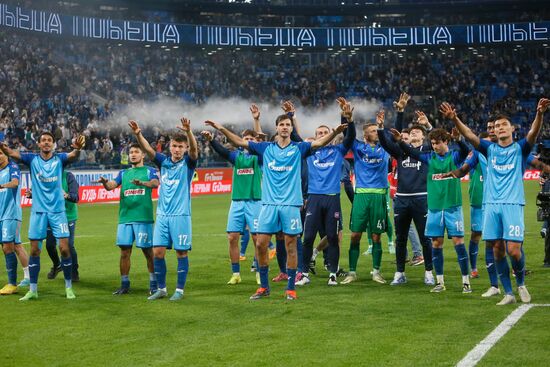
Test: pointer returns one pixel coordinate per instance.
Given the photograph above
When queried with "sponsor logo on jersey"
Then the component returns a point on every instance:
(439, 177)
(318, 164)
(41, 178)
(243, 171)
(134, 192)
(406, 163)
(166, 181)
(502, 167)
(366, 159)
(271, 165)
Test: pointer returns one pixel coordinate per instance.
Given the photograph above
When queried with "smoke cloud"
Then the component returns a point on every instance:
(166, 112)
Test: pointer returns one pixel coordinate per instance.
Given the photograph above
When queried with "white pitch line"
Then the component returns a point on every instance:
(479, 351)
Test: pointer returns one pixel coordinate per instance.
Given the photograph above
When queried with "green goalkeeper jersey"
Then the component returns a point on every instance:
(136, 204)
(247, 177)
(443, 193)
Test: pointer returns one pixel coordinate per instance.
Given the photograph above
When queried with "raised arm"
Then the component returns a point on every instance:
(407, 149)
(152, 184)
(399, 106)
(450, 113)
(143, 143)
(193, 146)
(218, 148)
(319, 143)
(13, 154)
(77, 146)
(347, 118)
(290, 110)
(422, 120)
(255, 111)
(542, 106)
(233, 138)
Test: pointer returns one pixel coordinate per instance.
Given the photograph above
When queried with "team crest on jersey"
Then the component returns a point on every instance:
(245, 171)
(134, 192)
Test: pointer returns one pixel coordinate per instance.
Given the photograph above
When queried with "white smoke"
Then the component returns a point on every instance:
(166, 113)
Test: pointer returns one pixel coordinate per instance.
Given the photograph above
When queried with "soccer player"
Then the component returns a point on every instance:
(48, 205)
(369, 210)
(245, 196)
(444, 201)
(281, 194)
(10, 219)
(173, 226)
(135, 215)
(323, 209)
(504, 197)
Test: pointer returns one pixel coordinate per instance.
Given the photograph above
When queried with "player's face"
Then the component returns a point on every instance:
(46, 143)
(417, 136)
(284, 128)
(249, 138)
(440, 147)
(406, 138)
(491, 130)
(370, 134)
(321, 132)
(177, 149)
(136, 156)
(503, 129)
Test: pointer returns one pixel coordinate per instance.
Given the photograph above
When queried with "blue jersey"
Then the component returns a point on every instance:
(370, 166)
(505, 168)
(46, 175)
(10, 201)
(282, 182)
(476, 158)
(325, 169)
(175, 185)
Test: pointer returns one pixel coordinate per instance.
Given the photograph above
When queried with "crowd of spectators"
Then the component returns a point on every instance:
(75, 87)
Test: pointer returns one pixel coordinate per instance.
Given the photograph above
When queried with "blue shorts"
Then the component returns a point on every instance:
(40, 222)
(277, 218)
(11, 231)
(141, 233)
(476, 219)
(243, 213)
(438, 220)
(503, 222)
(173, 230)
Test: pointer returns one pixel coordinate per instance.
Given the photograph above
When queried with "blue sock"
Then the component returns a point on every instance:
(473, 249)
(462, 258)
(34, 270)
(11, 267)
(519, 268)
(125, 281)
(299, 253)
(264, 282)
(281, 255)
(160, 271)
(271, 245)
(183, 269)
(67, 266)
(152, 281)
(291, 279)
(235, 267)
(491, 267)
(504, 275)
(245, 238)
(437, 258)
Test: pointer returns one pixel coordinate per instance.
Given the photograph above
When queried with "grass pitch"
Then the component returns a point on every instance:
(362, 324)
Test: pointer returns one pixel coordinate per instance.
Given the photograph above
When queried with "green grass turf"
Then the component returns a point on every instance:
(363, 323)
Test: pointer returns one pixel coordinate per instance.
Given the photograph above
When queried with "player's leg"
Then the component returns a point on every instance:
(60, 228)
(311, 227)
(491, 270)
(332, 229)
(435, 229)
(161, 241)
(291, 223)
(38, 225)
(503, 269)
(377, 224)
(414, 238)
(143, 234)
(8, 248)
(476, 218)
(281, 257)
(389, 225)
(51, 248)
(454, 222)
(419, 209)
(245, 239)
(402, 217)
(180, 230)
(74, 255)
(514, 226)
(125, 237)
(358, 225)
(23, 259)
(236, 223)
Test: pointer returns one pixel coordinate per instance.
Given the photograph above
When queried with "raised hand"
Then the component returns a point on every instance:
(207, 135)
(543, 105)
(447, 111)
(341, 102)
(102, 180)
(137, 182)
(185, 125)
(380, 118)
(288, 107)
(421, 118)
(455, 134)
(213, 124)
(134, 126)
(347, 111)
(255, 111)
(79, 142)
(400, 104)
(396, 135)
(340, 128)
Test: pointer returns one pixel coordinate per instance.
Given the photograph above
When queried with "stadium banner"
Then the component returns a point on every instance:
(206, 181)
(173, 34)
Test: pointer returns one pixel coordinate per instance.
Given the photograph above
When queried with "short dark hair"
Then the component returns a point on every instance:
(180, 138)
(282, 118)
(406, 131)
(439, 135)
(135, 145)
(46, 133)
(419, 127)
(368, 124)
(502, 116)
(483, 135)
(249, 132)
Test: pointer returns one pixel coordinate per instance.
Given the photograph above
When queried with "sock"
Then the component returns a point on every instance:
(235, 268)
(370, 241)
(473, 249)
(152, 281)
(465, 279)
(519, 268)
(300, 254)
(245, 238)
(67, 266)
(183, 269)
(124, 281)
(34, 270)
(440, 279)
(315, 253)
(11, 267)
(160, 272)
(491, 267)
(437, 256)
(353, 256)
(400, 255)
(281, 255)
(504, 274)
(291, 279)
(26, 273)
(462, 258)
(264, 271)
(376, 255)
